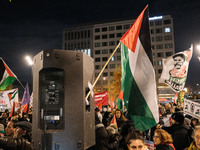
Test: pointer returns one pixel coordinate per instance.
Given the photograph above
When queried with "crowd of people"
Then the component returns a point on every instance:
(115, 131)
(175, 130)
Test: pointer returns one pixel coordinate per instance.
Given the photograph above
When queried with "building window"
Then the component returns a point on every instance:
(112, 66)
(167, 21)
(104, 58)
(105, 74)
(153, 47)
(104, 51)
(97, 52)
(104, 43)
(112, 58)
(97, 30)
(118, 57)
(168, 37)
(111, 28)
(159, 46)
(104, 36)
(159, 62)
(159, 54)
(159, 71)
(127, 26)
(159, 30)
(97, 37)
(167, 30)
(151, 23)
(88, 33)
(97, 67)
(105, 67)
(152, 31)
(119, 50)
(111, 73)
(119, 27)
(159, 38)
(168, 54)
(97, 59)
(110, 50)
(95, 45)
(119, 34)
(111, 35)
(153, 55)
(170, 45)
(158, 22)
(152, 39)
(111, 43)
(104, 29)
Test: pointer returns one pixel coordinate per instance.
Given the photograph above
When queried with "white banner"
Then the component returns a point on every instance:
(7, 98)
(175, 70)
(192, 108)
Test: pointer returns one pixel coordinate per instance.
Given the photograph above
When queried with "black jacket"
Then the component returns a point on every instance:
(9, 143)
(164, 147)
(180, 135)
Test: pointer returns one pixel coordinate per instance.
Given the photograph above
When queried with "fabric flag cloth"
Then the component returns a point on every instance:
(12, 113)
(111, 102)
(26, 100)
(138, 77)
(120, 101)
(175, 69)
(7, 77)
(7, 99)
(101, 99)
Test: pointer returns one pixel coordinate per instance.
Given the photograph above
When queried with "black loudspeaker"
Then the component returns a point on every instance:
(61, 118)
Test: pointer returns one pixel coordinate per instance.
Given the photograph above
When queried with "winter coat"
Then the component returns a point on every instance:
(9, 143)
(180, 135)
(193, 146)
(165, 147)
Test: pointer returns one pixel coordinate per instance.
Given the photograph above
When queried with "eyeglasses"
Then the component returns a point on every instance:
(156, 137)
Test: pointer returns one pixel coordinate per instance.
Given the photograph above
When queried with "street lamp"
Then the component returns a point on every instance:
(29, 60)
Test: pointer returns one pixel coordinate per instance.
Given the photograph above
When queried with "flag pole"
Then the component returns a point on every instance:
(20, 83)
(103, 69)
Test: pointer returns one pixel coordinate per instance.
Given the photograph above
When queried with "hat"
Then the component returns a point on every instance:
(24, 125)
(178, 117)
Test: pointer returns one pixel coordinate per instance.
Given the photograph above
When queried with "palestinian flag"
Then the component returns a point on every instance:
(12, 113)
(12, 94)
(120, 101)
(7, 77)
(138, 77)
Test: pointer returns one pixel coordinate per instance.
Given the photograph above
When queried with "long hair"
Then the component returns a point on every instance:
(165, 137)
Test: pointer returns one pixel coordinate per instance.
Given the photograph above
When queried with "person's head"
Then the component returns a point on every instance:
(161, 136)
(22, 128)
(177, 118)
(194, 122)
(135, 140)
(4, 115)
(178, 60)
(196, 136)
(10, 128)
(118, 113)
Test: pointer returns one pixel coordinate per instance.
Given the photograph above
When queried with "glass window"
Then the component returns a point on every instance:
(111, 35)
(104, 51)
(151, 23)
(159, 30)
(167, 30)
(152, 31)
(97, 30)
(104, 58)
(104, 43)
(97, 66)
(159, 22)
(111, 28)
(159, 71)
(159, 38)
(105, 74)
(159, 54)
(169, 45)
(104, 36)
(104, 29)
(168, 37)
(159, 63)
(97, 37)
(111, 43)
(97, 59)
(159, 46)
(168, 54)
(119, 27)
(152, 39)
(153, 47)
(119, 34)
(97, 52)
(168, 21)
(111, 50)
(112, 66)
(97, 45)
(112, 58)
(127, 26)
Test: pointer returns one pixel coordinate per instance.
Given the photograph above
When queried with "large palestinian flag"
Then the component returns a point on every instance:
(138, 77)
(7, 77)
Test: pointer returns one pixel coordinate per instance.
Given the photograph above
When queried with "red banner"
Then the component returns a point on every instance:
(101, 99)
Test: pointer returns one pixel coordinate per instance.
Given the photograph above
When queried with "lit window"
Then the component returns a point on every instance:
(159, 63)
(167, 30)
(112, 58)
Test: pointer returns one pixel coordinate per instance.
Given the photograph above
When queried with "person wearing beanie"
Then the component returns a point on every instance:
(179, 131)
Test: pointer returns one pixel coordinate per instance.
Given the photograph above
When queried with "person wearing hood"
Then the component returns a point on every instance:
(179, 131)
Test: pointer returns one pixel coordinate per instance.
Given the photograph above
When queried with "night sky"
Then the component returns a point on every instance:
(30, 26)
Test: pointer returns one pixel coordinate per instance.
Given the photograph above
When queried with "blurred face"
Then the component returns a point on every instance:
(178, 62)
(156, 138)
(19, 131)
(118, 114)
(136, 145)
(10, 129)
(197, 138)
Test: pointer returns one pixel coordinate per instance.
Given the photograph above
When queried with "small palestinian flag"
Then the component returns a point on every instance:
(12, 94)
